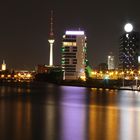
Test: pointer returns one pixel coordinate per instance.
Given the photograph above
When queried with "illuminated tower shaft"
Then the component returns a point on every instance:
(51, 41)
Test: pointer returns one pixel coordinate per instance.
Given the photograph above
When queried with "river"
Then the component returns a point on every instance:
(44, 111)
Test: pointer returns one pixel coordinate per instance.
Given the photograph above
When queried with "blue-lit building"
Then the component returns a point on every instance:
(129, 51)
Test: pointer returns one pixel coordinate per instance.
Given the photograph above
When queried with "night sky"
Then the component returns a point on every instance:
(24, 28)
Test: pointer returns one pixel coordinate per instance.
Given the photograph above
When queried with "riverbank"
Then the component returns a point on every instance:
(110, 84)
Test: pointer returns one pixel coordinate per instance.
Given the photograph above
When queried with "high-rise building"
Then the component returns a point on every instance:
(129, 49)
(74, 54)
(51, 41)
(110, 62)
(3, 66)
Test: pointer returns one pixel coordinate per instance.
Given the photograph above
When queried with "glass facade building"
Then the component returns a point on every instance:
(129, 51)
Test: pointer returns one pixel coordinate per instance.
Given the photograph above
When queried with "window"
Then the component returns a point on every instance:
(69, 43)
(68, 56)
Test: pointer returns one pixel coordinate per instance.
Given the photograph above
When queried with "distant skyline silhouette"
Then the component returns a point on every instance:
(25, 27)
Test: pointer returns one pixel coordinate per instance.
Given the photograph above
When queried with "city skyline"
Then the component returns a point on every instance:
(25, 29)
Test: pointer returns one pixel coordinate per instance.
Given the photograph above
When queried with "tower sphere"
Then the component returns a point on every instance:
(128, 27)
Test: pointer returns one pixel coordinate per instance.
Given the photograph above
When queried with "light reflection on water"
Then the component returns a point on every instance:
(73, 113)
(50, 112)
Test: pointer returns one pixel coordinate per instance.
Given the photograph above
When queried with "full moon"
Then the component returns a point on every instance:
(128, 27)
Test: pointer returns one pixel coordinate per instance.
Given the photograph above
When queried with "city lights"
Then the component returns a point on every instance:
(116, 75)
(18, 76)
(71, 75)
(83, 78)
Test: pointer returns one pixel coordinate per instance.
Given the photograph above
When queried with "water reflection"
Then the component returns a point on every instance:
(50, 112)
(15, 119)
(114, 116)
(73, 114)
(103, 115)
(51, 115)
(129, 115)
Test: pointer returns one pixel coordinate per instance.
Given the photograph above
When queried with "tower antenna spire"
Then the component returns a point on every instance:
(51, 29)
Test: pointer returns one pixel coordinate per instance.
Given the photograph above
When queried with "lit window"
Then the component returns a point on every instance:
(69, 43)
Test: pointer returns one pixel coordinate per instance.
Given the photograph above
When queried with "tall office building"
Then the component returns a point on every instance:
(74, 54)
(110, 62)
(129, 48)
(51, 41)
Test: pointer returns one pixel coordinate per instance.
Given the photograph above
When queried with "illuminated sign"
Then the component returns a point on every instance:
(74, 33)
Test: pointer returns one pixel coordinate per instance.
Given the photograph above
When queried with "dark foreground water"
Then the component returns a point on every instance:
(49, 112)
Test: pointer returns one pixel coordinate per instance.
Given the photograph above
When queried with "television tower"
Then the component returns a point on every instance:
(51, 41)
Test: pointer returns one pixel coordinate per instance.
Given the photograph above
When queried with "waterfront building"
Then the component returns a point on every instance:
(110, 62)
(74, 55)
(129, 48)
(49, 74)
